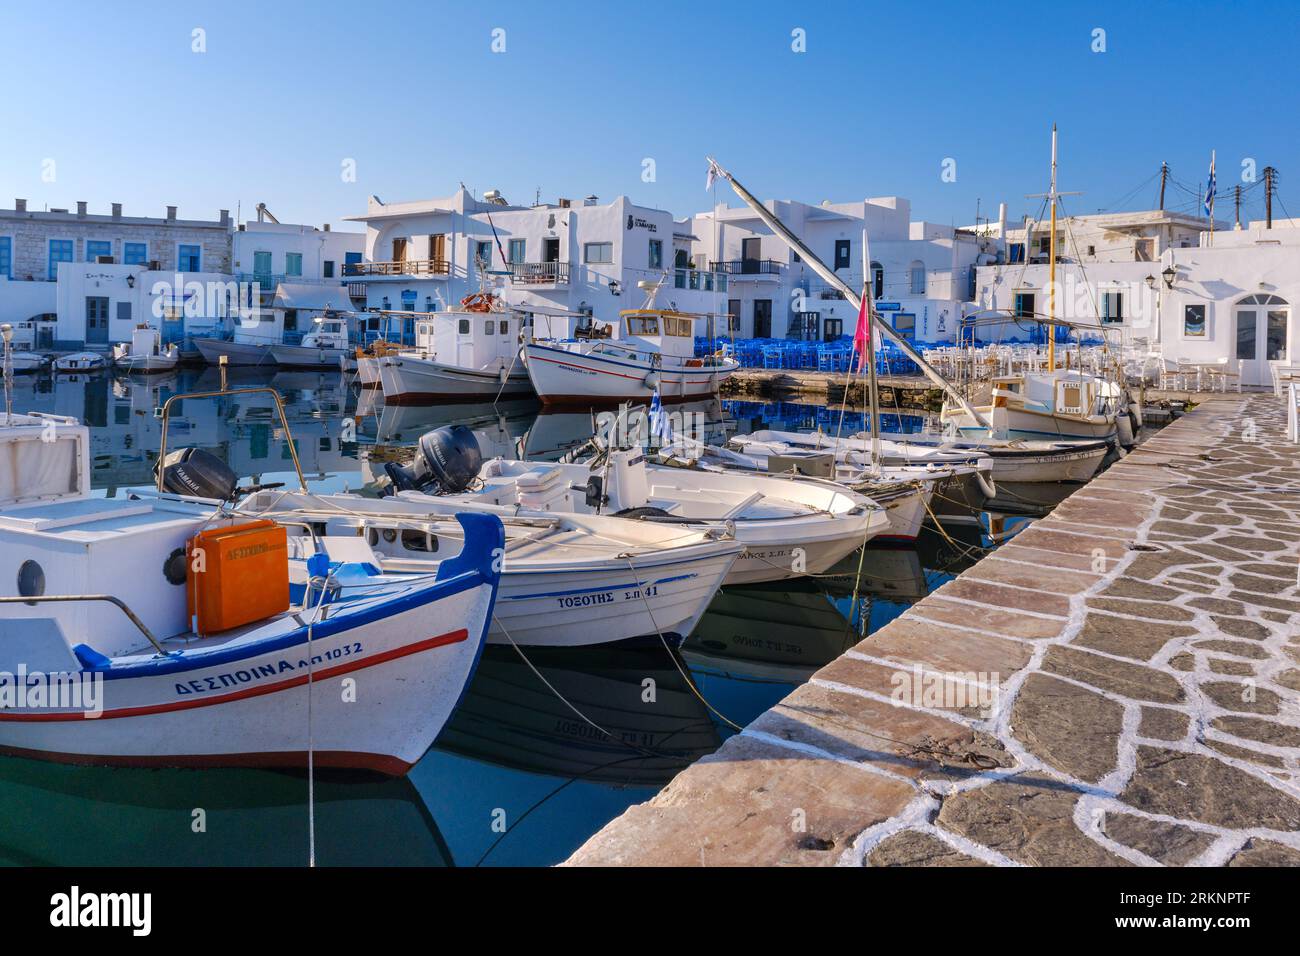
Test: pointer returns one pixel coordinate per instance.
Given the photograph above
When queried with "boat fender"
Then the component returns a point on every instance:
(987, 488)
(651, 380)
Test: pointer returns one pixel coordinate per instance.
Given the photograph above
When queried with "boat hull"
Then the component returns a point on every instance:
(412, 380)
(410, 667)
(564, 377)
(235, 353)
(299, 356)
(1013, 423)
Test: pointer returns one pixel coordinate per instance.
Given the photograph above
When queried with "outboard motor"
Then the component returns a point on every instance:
(447, 460)
(196, 473)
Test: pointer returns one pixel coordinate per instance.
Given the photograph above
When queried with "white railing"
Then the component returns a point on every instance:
(1293, 412)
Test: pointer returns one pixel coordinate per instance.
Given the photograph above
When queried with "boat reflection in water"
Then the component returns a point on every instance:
(64, 815)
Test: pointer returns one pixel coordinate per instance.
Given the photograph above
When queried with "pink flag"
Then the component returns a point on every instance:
(863, 340)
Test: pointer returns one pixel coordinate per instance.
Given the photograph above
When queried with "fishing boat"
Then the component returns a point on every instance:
(325, 346)
(145, 353)
(23, 361)
(567, 580)
(368, 361)
(159, 631)
(81, 362)
(1014, 460)
(789, 526)
(467, 355)
(650, 350)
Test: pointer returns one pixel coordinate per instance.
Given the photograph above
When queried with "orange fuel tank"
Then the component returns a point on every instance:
(236, 575)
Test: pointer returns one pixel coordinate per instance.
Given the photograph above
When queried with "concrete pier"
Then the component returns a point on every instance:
(1118, 685)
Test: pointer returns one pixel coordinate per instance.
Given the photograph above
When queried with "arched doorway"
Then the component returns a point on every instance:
(1260, 336)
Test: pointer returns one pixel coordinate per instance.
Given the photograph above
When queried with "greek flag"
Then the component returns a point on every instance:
(1209, 191)
(661, 429)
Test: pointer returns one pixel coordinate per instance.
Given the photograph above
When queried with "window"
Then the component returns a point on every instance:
(1246, 335)
(843, 249)
(399, 250)
(261, 263)
(598, 252)
(350, 261)
(293, 263)
(1016, 252)
(905, 322)
(1194, 324)
(60, 251)
(642, 325)
(1112, 308)
(327, 269)
(721, 278)
(487, 327)
(187, 259)
(917, 273)
(6, 257)
(877, 281)
(656, 253)
(462, 327)
(483, 253)
(518, 249)
(504, 326)
(291, 320)
(1024, 305)
(677, 325)
(135, 253)
(1275, 344)
(96, 248)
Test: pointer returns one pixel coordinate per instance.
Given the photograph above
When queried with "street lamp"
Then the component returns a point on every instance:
(1170, 275)
(1151, 283)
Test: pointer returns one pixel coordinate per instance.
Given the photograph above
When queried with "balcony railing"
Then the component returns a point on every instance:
(539, 273)
(749, 267)
(700, 279)
(401, 267)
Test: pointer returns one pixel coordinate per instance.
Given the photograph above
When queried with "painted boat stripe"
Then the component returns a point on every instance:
(451, 637)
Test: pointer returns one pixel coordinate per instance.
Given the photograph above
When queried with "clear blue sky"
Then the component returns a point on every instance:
(586, 90)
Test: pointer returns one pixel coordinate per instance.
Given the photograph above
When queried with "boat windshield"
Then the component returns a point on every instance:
(643, 325)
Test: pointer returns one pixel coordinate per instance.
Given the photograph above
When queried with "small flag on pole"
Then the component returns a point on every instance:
(712, 176)
(863, 340)
(661, 429)
(504, 259)
(1209, 190)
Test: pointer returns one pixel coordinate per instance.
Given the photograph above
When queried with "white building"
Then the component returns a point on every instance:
(1229, 298)
(921, 272)
(554, 260)
(272, 252)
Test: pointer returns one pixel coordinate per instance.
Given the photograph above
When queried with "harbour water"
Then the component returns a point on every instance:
(547, 746)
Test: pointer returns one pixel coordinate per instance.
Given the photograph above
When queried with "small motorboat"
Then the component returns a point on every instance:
(789, 525)
(160, 630)
(145, 353)
(81, 362)
(325, 346)
(27, 361)
(566, 580)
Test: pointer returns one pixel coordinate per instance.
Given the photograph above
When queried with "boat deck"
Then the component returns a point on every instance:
(1117, 685)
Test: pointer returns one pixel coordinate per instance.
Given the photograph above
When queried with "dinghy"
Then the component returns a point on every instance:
(27, 361)
(81, 362)
(789, 525)
(158, 630)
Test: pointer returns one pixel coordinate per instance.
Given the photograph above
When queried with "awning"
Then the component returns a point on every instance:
(311, 297)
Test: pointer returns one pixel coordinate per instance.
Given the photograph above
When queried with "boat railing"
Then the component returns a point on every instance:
(67, 598)
(165, 414)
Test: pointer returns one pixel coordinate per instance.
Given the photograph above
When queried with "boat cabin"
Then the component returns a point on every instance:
(329, 332)
(1068, 392)
(470, 340)
(660, 330)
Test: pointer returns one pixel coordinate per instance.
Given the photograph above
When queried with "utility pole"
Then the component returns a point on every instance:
(1269, 186)
(1164, 178)
(1237, 203)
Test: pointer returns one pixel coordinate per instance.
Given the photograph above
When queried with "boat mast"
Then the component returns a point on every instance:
(873, 384)
(854, 299)
(1051, 267)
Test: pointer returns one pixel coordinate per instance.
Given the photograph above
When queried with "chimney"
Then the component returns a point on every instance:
(225, 217)
(81, 209)
(171, 212)
(117, 210)
(20, 205)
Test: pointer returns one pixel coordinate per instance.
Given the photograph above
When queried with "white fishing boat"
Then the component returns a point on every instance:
(650, 350)
(1014, 460)
(789, 526)
(466, 355)
(27, 361)
(81, 362)
(145, 353)
(325, 346)
(235, 351)
(1067, 405)
(159, 630)
(566, 580)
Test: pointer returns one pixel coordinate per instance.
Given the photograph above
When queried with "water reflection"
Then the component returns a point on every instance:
(550, 746)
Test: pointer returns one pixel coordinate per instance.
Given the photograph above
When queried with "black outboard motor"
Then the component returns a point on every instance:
(447, 460)
(196, 473)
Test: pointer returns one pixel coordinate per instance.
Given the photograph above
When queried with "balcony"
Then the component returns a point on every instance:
(401, 267)
(749, 267)
(539, 273)
(700, 279)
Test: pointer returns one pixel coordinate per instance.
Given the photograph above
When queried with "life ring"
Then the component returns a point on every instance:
(478, 302)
